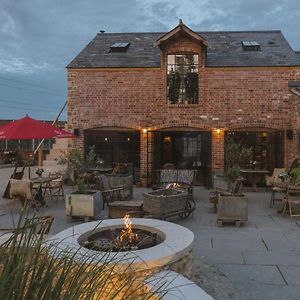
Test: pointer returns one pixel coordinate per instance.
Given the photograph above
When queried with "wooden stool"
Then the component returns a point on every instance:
(118, 209)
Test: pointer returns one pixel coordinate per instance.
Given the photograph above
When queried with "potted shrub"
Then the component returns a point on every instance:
(76, 164)
(236, 155)
(83, 202)
(74, 161)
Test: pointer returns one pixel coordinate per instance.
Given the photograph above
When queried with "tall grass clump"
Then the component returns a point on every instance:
(32, 270)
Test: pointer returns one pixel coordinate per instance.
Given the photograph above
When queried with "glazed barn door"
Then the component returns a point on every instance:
(206, 157)
(183, 150)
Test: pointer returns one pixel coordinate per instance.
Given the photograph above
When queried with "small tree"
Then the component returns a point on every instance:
(235, 156)
(74, 161)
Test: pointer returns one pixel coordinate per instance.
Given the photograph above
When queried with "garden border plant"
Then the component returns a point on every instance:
(30, 270)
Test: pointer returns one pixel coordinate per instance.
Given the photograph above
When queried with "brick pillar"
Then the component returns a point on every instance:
(146, 146)
(217, 150)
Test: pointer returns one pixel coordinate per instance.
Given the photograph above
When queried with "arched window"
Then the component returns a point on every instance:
(182, 78)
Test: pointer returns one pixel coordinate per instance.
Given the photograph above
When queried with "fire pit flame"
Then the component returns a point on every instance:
(173, 185)
(127, 237)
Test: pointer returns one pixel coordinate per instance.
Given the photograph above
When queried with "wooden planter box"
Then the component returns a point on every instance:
(165, 201)
(232, 209)
(118, 209)
(84, 205)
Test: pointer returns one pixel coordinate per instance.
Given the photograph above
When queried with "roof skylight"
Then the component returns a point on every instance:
(119, 47)
(250, 45)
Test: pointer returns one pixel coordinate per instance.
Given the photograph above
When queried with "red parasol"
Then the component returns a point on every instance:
(28, 128)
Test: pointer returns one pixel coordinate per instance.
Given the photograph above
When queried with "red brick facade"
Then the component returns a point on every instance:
(233, 98)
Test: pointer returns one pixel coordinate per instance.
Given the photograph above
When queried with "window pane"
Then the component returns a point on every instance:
(183, 78)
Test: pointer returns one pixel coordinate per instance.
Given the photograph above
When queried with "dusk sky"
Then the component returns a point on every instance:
(38, 38)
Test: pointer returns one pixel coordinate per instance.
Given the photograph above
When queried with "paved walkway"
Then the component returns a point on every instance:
(261, 258)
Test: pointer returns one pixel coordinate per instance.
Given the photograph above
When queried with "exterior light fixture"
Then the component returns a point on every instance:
(106, 139)
(145, 130)
(128, 139)
(218, 131)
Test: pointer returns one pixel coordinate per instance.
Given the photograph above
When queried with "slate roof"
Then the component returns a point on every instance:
(224, 50)
(294, 84)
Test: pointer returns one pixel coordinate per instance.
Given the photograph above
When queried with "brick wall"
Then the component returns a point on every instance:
(229, 98)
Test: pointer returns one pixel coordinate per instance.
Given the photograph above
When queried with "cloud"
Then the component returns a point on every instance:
(18, 65)
(39, 38)
(212, 15)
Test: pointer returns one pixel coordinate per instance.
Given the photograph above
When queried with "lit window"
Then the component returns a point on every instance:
(183, 78)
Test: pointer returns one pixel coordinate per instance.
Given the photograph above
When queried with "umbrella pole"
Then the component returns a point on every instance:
(39, 148)
(40, 156)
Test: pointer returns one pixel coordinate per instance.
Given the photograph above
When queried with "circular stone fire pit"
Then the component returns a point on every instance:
(169, 247)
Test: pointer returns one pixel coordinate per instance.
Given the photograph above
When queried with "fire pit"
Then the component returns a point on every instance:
(120, 239)
(160, 245)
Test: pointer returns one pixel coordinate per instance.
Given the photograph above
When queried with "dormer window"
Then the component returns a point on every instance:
(183, 78)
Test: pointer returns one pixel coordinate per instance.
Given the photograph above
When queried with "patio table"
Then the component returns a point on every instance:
(253, 176)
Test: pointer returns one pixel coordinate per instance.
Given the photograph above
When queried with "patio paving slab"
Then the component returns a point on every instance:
(274, 257)
(280, 242)
(291, 275)
(266, 292)
(237, 242)
(252, 274)
(218, 256)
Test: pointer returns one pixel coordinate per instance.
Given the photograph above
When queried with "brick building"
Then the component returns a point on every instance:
(156, 98)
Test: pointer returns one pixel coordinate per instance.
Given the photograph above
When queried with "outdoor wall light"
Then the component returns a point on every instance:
(128, 139)
(218, 130)
(106, 139)
(145, 130)
(167, 140)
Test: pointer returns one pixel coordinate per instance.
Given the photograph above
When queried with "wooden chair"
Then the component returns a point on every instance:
(292, 199)
(23, 190)
(55, 187)
(235, 189)
(275, 182)
(274, 178)
(109, 193)
(42, 224)
(37, 225)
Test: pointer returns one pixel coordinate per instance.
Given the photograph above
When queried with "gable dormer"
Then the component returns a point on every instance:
(181, 30)
(182, 54)
(182, 39)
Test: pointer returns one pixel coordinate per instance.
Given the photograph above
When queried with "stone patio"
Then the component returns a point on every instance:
(260, 260)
